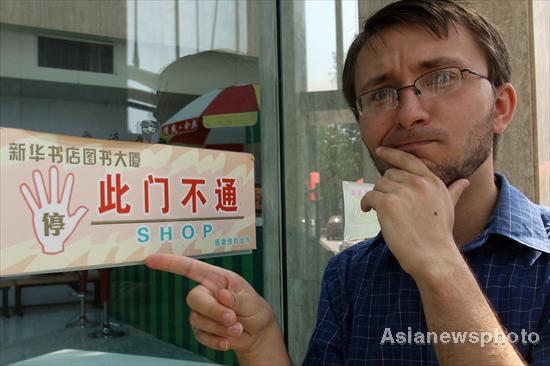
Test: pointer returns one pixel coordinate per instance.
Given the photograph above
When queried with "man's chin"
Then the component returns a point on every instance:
(446, 174)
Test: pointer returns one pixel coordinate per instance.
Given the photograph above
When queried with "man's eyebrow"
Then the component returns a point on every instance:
(439, 62)
(374, 81)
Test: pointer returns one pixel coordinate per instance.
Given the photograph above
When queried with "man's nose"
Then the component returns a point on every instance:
(410, 110)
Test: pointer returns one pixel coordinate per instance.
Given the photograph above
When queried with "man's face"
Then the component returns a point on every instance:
(452, 134)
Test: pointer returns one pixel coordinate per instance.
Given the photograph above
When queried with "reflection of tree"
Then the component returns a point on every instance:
(339, 158)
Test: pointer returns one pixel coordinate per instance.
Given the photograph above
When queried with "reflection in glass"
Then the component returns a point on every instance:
(322, 148)
(150, 131)
(116, 70)
(330, 26)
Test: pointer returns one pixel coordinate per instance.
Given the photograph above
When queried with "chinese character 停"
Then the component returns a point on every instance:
(54, 223)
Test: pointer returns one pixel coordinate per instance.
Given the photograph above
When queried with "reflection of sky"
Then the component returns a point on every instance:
(151, 46)
(157, 24)
(214, 21)
(158, 21)
(155, 34)
(321, 40)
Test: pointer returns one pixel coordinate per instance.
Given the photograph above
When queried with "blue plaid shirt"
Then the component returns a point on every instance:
(365, 291)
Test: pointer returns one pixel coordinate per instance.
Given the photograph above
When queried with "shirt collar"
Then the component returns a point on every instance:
(518, 218)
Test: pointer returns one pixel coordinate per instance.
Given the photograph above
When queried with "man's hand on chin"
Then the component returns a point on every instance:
(415, 210)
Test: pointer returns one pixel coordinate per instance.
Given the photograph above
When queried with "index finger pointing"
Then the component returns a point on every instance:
(206, 274)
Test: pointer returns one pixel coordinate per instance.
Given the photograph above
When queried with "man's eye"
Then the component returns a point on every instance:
(381, 95)
(441, 78)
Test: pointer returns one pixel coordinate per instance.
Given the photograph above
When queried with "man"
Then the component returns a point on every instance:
(463, 258)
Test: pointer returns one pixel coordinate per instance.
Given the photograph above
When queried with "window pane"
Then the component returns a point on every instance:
(322, 148)
(105, 69)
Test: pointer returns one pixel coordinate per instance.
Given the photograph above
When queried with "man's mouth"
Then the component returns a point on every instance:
(412, 146)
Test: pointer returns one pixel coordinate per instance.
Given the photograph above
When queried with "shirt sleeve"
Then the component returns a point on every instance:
(541, 350)
(327, 340)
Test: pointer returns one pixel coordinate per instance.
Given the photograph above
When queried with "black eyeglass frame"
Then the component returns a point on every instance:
(359, 109)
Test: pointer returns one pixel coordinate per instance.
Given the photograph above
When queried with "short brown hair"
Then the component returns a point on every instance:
(437, 16)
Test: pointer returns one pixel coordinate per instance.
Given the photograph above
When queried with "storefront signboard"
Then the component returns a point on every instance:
(72, 203)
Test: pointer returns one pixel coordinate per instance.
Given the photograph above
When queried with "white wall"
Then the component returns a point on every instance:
(65, 116)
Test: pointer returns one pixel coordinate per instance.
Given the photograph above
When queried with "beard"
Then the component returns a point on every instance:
(477, 149)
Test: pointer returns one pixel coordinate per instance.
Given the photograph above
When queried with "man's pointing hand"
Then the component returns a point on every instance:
(226, 312)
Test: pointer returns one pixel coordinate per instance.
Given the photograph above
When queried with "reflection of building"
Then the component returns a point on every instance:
(54, 99)
(126, 91)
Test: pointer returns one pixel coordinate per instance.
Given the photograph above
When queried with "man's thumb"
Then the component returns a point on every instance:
(457, 188)
(227, 298)
(244, 301)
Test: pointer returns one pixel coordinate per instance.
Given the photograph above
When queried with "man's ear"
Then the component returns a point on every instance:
(505, 105)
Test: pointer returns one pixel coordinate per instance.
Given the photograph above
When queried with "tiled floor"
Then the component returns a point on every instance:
(42, 330)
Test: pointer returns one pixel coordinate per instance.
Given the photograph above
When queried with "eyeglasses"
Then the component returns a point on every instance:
(435, 83)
